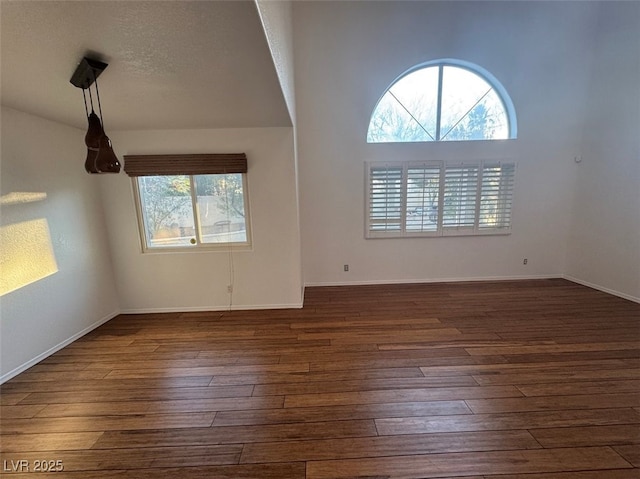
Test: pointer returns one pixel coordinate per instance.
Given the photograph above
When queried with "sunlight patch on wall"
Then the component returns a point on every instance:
(26, 255)
(17, 197)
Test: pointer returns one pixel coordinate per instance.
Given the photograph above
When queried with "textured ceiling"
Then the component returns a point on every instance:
(172, 64)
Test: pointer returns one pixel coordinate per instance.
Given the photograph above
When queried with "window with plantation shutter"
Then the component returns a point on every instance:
(436, 199)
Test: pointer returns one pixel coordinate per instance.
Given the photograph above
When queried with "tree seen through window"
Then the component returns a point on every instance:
(441, 102)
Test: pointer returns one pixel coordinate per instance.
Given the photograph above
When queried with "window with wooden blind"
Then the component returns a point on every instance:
(437, 199)
(188, 202)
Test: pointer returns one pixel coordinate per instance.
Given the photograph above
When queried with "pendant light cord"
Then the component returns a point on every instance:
(84, 97)
(95, 81)
(90, 98)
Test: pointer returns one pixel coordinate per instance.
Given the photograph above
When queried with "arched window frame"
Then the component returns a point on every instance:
(502, 94)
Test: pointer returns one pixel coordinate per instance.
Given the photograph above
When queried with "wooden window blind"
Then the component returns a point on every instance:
(199, 164)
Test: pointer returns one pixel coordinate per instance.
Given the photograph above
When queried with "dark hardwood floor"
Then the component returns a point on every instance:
(499, 380)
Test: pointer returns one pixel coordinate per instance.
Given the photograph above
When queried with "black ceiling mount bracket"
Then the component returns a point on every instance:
(87, 72)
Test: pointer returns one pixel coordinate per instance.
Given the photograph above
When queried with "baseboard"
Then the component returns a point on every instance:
(235, 307)
(32, 362)
(635, 299)
(432, 280)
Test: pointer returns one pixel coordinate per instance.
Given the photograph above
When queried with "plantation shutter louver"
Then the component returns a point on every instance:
(198, 164)
(385, 198)
(460, 197)
(496, 196)
(423, 192)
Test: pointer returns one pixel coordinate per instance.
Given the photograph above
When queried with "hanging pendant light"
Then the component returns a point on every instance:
(100, 155)
(92, 140)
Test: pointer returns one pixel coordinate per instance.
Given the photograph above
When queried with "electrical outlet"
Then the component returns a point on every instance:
(525, 261)
(346, 267)
(229, 288)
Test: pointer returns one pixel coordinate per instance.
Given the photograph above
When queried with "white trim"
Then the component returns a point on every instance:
(235, 307)
(32, 362)
(635, 299)
(434, 280)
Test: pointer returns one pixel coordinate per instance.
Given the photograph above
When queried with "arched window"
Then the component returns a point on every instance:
(445, 100)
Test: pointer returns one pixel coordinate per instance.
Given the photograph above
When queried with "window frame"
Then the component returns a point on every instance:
(199, 246)
(440, 230)
(477, 70)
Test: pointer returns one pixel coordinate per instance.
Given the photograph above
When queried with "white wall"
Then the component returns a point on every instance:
(348, 53)
(604, 248)
(40, 156)
(277, 21)
(268, 276)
